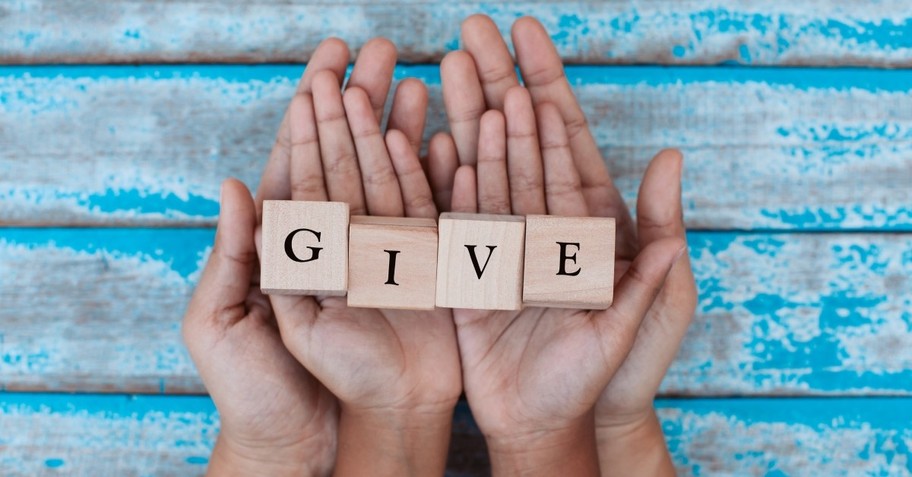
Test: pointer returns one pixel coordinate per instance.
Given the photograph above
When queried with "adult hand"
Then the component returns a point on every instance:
(396, 373)
(275, 417)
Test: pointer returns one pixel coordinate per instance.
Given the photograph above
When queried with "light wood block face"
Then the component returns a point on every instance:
(392, 263)
(480, 261)
(569, 262)
(304, 248)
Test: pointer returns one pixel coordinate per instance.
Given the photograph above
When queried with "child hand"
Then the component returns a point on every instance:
(396, 373)
(481, 79)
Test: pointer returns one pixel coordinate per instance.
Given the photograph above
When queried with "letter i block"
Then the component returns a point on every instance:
(304, 248)
(392, 263)
(569, 262)
(480, 261)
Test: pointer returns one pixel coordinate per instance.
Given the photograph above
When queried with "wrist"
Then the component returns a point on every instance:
(394, 442)
(313, 457)
(563, 450)
(633, 445)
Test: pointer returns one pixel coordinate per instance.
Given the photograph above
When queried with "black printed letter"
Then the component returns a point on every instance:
(564, 257)
(479, 271)
(391, 276)
(290, 251)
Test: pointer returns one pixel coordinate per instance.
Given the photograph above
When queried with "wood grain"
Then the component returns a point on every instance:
(755, 32)
(569, 262)
(764, 148)
(779, 314)
(89, 435)
(392, 263)
(480, 261)
(304, 248)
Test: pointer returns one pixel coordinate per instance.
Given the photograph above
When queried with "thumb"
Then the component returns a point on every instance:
(636, 291)
(225, 282)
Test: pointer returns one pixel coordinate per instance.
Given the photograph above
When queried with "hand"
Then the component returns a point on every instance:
(275, 417)
(396, 373)
(479, 80)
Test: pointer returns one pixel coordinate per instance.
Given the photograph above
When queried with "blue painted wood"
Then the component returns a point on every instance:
(754, 32)
(766, 149)
(91, 434)
(818, 314)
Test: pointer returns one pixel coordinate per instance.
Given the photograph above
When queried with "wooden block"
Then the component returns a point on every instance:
(304, 248)
(569, 262)
(480, 261)
(392, 263)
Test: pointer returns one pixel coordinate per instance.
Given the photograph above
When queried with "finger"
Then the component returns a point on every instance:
(409, 111)
(381, 188)
(493, 184)
(442, 163)
(416, 193)
(524, 161)
(659, 211)
(306, 176)
(337, 151)
(225, 282)
(659, 216)
(495, 67)
(543, 74)
(332, 55)
(293, 314)
(464, 102)
(464, 191)
(635, 293)
(373, 72)
(563, 190)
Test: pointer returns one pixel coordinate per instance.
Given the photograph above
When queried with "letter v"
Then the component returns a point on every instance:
(480, 271)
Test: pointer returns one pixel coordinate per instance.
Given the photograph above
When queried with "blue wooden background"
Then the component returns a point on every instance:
(119, 119)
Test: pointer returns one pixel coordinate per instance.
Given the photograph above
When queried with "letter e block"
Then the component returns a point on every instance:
(392, 263)
(569, 262)
(480, 261)
(304, 248)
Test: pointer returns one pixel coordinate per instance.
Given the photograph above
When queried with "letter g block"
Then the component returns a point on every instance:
(304, 248)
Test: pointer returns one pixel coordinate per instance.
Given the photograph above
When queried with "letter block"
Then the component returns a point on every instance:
(392, 263)
(569, 262)
(480, 261)
(304, 248)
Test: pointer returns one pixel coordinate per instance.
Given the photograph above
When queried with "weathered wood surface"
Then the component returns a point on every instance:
(765, 148)
(48, 434)
(779, 314)
(755, 32)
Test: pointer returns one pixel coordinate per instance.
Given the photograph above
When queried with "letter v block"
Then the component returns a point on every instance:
(569, 262)
(304, 248)
(392, 263)
(480, 261)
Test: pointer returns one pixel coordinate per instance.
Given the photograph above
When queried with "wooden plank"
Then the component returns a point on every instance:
(779, 314)
(789, 437)
(765, 148)
(50, 434)
(756, 32)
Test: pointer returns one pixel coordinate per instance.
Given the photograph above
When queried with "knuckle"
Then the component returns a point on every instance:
(419, 202)
(307, 187)
(492, 201)
(576, 125)
(343, 164)
(380, 177)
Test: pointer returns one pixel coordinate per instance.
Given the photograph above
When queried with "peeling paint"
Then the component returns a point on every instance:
(791, 150)
(751, 32)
